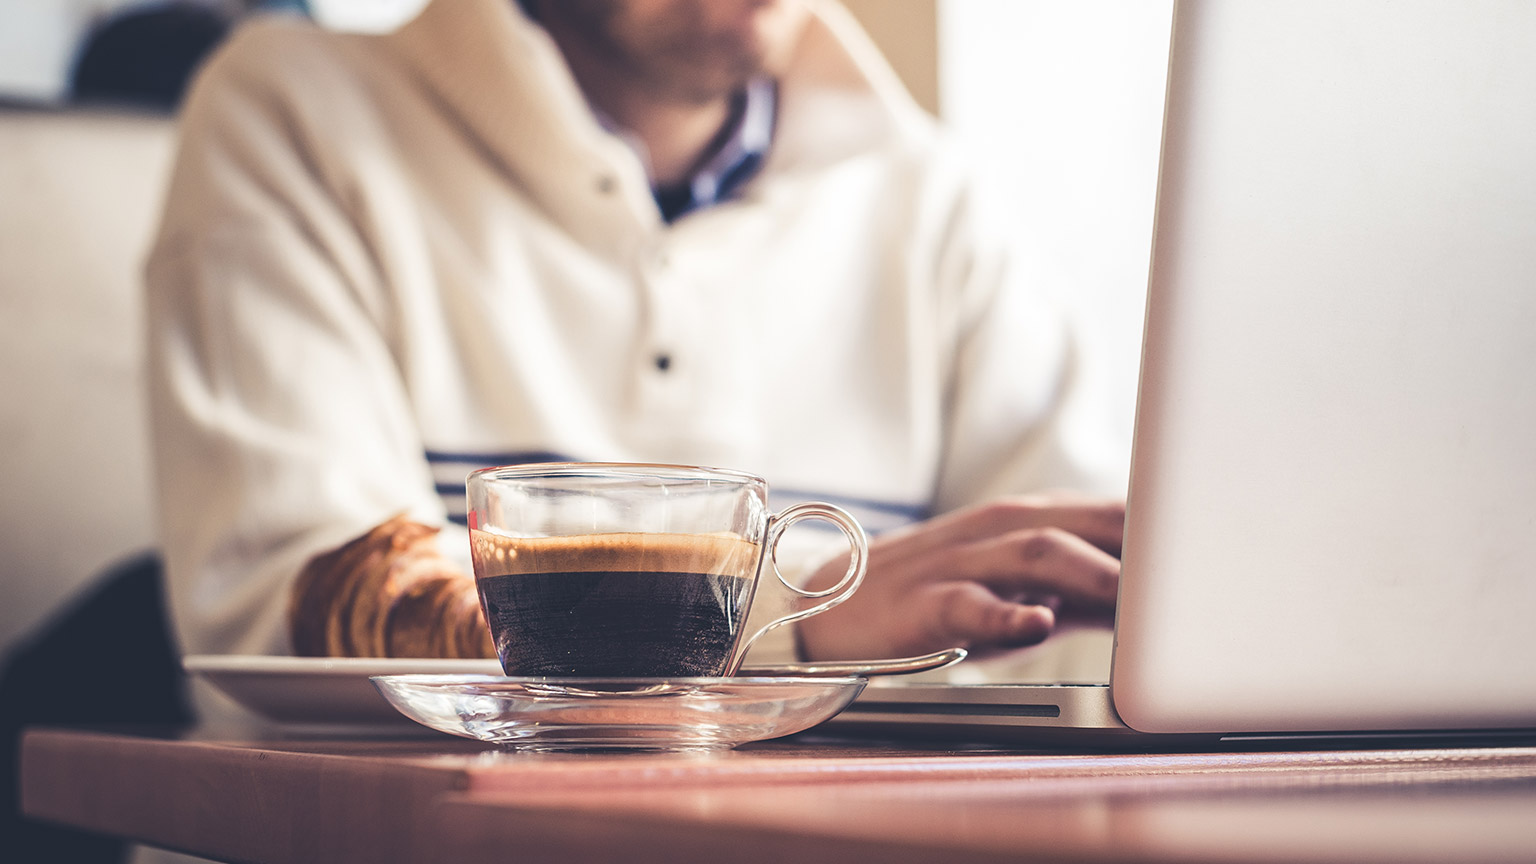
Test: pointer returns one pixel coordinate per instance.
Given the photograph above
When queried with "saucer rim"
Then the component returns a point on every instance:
(557, 680)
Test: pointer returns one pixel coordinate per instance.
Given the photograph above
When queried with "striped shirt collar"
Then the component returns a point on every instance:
(733, 158)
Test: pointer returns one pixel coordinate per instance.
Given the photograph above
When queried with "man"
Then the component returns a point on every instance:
(698, 231)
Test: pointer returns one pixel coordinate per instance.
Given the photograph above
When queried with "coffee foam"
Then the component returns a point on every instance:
(496, 555)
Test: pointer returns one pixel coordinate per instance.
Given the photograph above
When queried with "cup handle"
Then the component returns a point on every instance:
(858, 563)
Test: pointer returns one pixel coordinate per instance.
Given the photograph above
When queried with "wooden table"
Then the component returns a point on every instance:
(807, 800)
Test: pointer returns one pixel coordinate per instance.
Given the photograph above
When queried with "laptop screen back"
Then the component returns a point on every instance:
(1333, 496)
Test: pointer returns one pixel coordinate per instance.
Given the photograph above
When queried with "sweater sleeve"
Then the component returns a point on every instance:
(281, 427)
(1022, 415)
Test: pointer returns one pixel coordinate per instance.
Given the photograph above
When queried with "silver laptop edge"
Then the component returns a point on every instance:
(1334, 486)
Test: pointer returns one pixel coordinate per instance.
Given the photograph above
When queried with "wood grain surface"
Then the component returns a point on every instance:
(800, 800)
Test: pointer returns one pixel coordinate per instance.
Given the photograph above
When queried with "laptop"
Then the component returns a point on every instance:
(1332, 508)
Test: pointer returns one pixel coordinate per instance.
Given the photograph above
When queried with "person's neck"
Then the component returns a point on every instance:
(676, 132)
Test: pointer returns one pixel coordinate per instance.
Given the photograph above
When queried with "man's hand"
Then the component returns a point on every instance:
(990, 576)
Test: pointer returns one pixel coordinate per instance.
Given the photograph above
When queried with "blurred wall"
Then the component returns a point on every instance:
(79, 197)
(38, 39)
(907, 33)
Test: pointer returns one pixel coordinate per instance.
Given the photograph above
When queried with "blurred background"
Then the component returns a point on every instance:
(1061, 100)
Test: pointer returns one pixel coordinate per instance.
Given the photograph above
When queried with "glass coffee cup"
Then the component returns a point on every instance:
(618, 570)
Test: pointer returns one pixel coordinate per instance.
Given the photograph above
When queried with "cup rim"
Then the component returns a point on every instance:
(636, 469)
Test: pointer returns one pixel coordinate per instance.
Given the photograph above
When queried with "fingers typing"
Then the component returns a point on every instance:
(968, 614)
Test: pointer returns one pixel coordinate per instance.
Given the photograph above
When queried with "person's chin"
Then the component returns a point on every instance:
(707, 83)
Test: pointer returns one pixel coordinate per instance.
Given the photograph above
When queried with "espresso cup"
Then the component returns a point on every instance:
(608, 570)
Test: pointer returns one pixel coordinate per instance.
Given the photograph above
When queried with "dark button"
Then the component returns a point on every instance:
(663, 362)
(606, 184)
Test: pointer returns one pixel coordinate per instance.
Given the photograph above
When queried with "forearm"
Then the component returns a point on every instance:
(388, 593)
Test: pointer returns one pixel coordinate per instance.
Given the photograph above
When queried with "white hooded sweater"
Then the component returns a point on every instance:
(389, 259)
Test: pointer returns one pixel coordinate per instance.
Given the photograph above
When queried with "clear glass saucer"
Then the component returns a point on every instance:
(553, 714)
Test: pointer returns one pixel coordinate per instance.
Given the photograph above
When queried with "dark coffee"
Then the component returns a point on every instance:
(619, 605)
